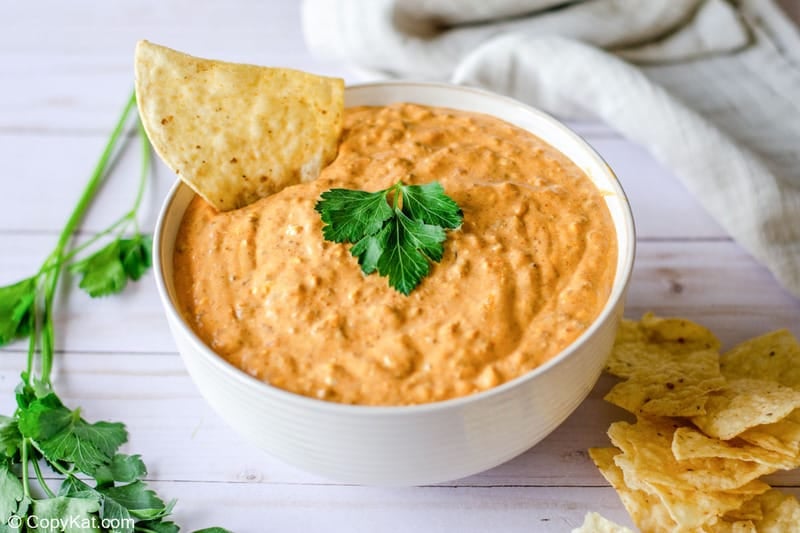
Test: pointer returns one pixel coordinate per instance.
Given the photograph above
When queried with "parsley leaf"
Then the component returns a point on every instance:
(122, 469)
(16, 309)
(103, 273)
(350, 215)
(10, 437)
(107, 271)
(136, 255)
(157, 526)
(11, 494)
(119, 506)
(42, 427)
(68, 515)
(396, 231)
(430, 204)
(62, 435)
(369, 250)
(409, 246)
(137, 499)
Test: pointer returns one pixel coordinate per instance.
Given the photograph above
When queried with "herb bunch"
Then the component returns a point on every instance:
(396, 231)
(102, 490)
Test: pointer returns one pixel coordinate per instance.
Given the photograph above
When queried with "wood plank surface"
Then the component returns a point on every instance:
(66, 70)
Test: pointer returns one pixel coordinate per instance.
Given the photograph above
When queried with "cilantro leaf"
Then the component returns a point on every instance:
(11, 494)
(426, 238)
(122, 469)
(16, 310)
(113, 512)
(107, 270)
(115, 502)
(62, 435)
(409, 242)
(350, 215)
(86, 445)
(10, 437)
(137, 499)
(68, 515)
(136, 255)
(41, 418)
(42, 427)
(397, 240)
(103, 272)
(75, 488)
(22, 512)
(431, 205)
(24, 393)
(369, 249)
(157, 526)
(120, 505)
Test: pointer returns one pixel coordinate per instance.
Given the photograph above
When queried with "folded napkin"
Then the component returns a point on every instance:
(710, 87)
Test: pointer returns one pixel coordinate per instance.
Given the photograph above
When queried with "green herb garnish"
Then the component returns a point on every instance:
(396, 231)
(43, 429)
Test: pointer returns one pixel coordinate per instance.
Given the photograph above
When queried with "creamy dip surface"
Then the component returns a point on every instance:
(525, 275)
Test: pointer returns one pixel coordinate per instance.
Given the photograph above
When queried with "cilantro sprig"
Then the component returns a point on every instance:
(397, 231)
(103, 490)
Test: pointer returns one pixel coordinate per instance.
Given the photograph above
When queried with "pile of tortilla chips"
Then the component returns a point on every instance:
(708, 427)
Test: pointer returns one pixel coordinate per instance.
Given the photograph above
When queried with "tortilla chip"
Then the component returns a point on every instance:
(671, 366)
(688, 443)
(678, 335)
(670, 386)
(725, 526)
(774, 357)
(693, 508)
(781, 513)
(702, 483)
(647, 455)
(236, 133)
(750, 510)
(653, 340)
(646, 510)
(746, 403)
(782, 436)
(595, 523)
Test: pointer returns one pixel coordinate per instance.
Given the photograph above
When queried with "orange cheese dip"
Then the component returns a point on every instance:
(526, 274)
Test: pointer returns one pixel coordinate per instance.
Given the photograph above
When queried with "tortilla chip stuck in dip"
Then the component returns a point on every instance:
(525, 265)
(236, 133)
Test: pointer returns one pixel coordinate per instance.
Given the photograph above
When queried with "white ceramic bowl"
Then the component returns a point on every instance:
(426, 443)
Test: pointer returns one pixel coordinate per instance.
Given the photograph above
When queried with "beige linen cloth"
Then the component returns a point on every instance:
(710, 87)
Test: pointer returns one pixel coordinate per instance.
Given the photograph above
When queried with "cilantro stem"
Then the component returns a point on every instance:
(45, 430)
(128, 217)
(26, 485)
(96, 178)
(94, 238)
(40, 477)
(31, 341)
(55, 262)
(60, 469)
(396, 190)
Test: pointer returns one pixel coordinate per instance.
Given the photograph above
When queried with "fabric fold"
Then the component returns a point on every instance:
(709, 87)
(727, 178)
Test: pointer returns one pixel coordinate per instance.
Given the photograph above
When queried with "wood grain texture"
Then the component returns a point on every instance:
(269, 509)
(29, 158)
(67, 70)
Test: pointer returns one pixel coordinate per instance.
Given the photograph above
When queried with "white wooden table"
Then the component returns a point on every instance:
(65, 71)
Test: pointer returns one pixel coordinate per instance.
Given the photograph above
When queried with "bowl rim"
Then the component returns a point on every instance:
(246, 380)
